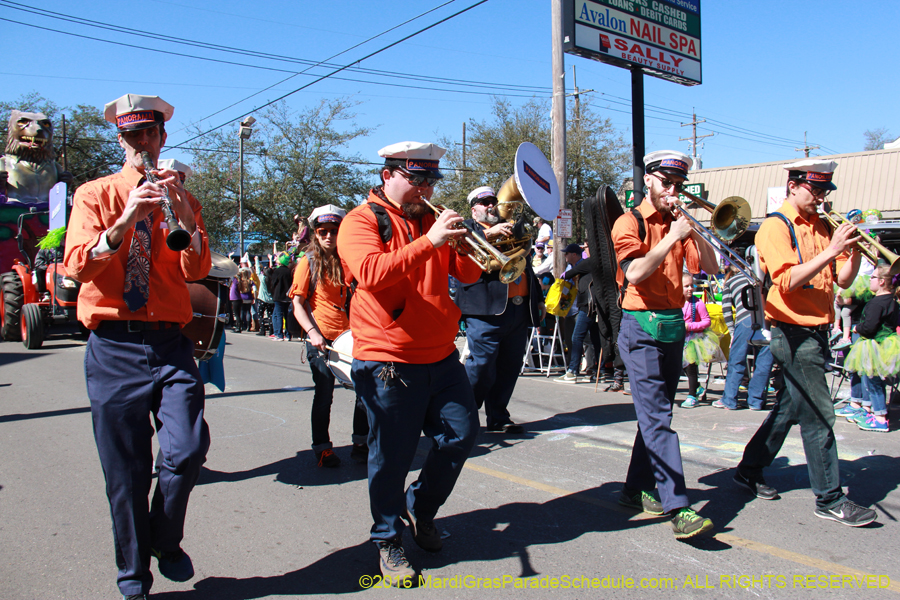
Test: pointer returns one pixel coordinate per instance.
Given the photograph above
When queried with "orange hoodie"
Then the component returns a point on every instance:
(401, 310)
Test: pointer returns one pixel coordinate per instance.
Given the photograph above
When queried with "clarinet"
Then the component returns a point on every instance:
(178, 238)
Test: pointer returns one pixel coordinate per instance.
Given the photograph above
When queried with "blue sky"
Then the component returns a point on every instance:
(771, 70)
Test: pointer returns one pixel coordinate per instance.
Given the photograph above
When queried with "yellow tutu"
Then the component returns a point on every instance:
(874, 359)
(702, 347)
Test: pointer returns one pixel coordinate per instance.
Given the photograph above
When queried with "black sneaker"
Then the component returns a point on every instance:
(136, 597)
(511, 428)
(757, 487)
(395, 568)
(360, 453)
(175, 565)
(424, 533)
(327, 458)
(848, 513)
(687, 524)
(642, 500)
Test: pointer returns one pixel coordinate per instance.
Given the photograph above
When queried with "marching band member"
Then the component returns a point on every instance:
(797, 250)
(652, 246)
(405, 365)
(137, 363)
(321, 295)
(498, 319)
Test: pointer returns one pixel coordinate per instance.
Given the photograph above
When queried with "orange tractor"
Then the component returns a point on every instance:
(27, 312)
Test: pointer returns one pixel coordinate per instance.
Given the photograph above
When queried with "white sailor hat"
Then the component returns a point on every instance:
(327, 214)
(414, 157)
(133, 112)
(175, 165)
(480, 193)
(813, 171)
(670, 162)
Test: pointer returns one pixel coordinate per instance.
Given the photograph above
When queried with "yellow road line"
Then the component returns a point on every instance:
(775, 551)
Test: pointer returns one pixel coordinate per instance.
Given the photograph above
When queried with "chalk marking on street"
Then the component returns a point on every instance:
(775, 551)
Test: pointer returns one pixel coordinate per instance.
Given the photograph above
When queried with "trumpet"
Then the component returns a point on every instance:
(178, 238)
(483, 252)
(865, 248)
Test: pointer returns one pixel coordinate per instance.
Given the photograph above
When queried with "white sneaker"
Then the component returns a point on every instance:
(569, 377)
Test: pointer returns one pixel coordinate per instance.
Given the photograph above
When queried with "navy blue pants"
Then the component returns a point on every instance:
(434, 399)
(131, 376)
(653, 370)
(496, 351)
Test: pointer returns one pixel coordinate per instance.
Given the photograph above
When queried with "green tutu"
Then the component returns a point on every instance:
(702, 347)
(859, 289)
(874, 359)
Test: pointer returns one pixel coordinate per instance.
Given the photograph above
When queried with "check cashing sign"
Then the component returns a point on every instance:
(662, 38)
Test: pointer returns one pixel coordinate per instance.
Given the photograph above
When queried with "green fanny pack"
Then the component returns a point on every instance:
(665, 326)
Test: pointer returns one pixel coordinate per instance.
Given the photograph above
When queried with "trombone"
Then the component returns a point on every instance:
(511, 268)
(836, 219)
(730, 218)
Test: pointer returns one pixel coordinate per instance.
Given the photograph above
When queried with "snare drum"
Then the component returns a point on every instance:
(209, 297)
(340, 358)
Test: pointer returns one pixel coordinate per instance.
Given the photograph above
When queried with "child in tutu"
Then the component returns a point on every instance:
(876, 355)
(701, 344)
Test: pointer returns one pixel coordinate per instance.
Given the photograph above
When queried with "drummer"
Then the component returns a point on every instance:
(321, 299)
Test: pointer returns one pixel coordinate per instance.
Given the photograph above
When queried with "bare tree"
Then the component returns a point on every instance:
(876, 138)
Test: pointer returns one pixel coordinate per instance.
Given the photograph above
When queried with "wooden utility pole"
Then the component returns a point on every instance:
(558, 125)
(579, 153)
(806, 147)
(693, 140)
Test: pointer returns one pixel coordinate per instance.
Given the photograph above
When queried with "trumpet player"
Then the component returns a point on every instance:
(653, 244)
(804, 259)
(137, 363)
(405, 365)
(498, 319)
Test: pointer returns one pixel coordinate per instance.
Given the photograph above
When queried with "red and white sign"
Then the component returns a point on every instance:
(564, 223)
(635, 52)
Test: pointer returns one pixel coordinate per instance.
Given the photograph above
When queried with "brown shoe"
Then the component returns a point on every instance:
(424, 533)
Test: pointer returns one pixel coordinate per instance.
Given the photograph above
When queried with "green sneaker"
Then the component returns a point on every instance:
(687, 524)
(642, 500)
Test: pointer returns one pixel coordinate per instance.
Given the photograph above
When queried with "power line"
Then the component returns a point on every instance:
(380, 50)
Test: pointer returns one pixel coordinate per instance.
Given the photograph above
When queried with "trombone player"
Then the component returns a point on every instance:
(798, 250)
(653, 244)
(498, 319)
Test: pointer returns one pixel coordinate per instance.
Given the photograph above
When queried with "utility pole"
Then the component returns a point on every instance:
(462, 172)
(693, 140)
(579, 146)
(806, 147)
(464, 146)
(558, 125)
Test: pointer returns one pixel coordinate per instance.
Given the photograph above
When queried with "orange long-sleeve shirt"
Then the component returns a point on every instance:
(98, 204)
(326, 302)
(661, 290)
(401, 310)
(812, 304)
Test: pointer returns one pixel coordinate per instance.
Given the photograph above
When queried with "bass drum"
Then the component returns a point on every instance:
(340, 359)
(209, 299)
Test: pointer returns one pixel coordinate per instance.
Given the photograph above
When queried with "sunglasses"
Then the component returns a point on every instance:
(816, 192)
(667, 183)
(326, 231)
(487, 202)
(419, 180)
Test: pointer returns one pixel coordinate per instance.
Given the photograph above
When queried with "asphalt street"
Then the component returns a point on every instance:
(532, 515)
